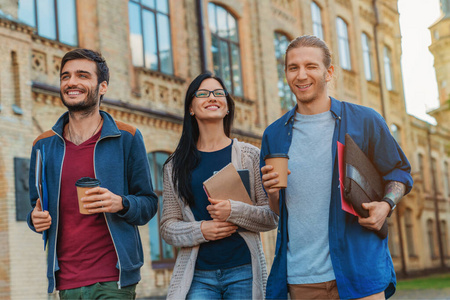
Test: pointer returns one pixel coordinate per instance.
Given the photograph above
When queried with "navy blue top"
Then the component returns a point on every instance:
(224, 253)
(361, 260)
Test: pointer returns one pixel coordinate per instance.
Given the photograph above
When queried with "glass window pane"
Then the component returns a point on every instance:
(151, 56)
(162, 6)
(232, 29)
(216, 56)
(136, 43)
(165, 48)
(161, 158)
(154, 239)
(46, 19)
(222, 22)
(225, 64)
(387, 69)
(317, 20)
(67, 22)
(343, 44)
(212, 18)
(27, 13)
(366, 56)
(149, 3)
(236, 63)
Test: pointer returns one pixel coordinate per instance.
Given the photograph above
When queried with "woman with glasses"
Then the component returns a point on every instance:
(215, 259)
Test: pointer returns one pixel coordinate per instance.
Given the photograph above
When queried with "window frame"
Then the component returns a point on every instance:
(317, 24)
(156, 36)
(343, 44)
(388, 69)
(162, 263)
(57, 29)
(280, 61)
(229, 43)
(366, 43)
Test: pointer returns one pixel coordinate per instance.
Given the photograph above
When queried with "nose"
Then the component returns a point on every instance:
(212, 98)
(72, 81)
(301, 74)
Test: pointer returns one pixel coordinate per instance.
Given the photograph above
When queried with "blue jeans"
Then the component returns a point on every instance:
(232, 283)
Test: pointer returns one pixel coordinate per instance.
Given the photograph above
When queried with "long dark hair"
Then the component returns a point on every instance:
(186, 156)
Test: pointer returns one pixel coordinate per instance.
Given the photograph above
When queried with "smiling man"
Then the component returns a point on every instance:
(98, 255)
(323, 252)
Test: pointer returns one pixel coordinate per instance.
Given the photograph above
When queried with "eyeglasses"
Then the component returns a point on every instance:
(206, 93)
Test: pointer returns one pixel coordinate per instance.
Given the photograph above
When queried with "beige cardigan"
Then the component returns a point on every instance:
(180, 229)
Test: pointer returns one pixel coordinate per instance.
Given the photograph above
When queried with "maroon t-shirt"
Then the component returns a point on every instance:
(85, 250)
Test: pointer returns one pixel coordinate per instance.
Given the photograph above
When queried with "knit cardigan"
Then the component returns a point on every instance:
(180, 229)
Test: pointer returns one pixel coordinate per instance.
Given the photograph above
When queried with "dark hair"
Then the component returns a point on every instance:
(310, 41)
(186, 156)
(102, 67)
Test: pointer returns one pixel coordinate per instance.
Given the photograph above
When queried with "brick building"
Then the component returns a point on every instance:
(155, 48)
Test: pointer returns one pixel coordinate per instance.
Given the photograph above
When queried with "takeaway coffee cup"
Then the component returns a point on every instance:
(279, 161)
(83, 184)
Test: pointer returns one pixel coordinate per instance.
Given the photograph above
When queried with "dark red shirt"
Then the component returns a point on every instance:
(85, 250)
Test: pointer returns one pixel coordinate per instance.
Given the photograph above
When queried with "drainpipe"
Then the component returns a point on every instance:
(383, 112)
(436, 201)
(201, 36)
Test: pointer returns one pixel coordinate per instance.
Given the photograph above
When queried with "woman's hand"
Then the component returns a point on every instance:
(216, 230)
(219, 210)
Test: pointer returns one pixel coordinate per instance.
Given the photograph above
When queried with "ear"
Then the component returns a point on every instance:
(330, 73)
(103, 88)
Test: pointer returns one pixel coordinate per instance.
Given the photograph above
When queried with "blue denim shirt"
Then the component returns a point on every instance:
(361, 260)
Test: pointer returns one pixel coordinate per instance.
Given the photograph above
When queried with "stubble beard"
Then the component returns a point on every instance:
(85, 107)
(321, 86)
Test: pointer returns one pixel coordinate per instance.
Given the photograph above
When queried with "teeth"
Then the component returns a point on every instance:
(73, 93)
(304, 86)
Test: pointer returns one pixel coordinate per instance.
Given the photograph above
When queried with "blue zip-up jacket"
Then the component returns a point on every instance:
(121, 165)
(361, 260)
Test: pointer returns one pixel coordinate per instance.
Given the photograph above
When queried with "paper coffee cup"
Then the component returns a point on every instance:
(279, 161)
(83, 184)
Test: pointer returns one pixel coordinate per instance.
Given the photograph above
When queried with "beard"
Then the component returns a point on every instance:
(321, 85)
(87, 105)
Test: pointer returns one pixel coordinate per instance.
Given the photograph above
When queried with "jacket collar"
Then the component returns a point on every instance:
(109, 125)
(336, 110)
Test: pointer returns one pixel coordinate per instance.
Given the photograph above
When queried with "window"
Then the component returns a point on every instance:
(53, 19)
(367, 56)
(434, 165)
(343, 44)
(225, 48)
(444, 239)
(162, 254)
(392, 243)
(316, 20)
(446, 178)
(387, 59)
(150, 37)
(420, 163)
(409, 232)
(431, 242)
(396, 133)
(287, 100)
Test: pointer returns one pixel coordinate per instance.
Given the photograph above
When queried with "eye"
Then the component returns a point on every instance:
(219, 93)
(202, 93)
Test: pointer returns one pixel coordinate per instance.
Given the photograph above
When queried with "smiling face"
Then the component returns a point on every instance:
(307, 75)
(79, 86)
(212, 107)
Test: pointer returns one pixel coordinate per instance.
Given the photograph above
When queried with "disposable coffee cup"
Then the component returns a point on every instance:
(279, 162)
(83, 184)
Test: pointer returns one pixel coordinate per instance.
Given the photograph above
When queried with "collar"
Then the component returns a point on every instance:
(336, 111)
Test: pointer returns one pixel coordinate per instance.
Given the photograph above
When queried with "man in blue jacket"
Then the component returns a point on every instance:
(323, 252)
(98, 255)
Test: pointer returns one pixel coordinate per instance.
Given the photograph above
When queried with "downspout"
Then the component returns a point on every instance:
(383, 112)
(201, 36)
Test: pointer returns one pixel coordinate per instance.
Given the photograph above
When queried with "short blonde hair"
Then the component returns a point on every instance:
(310, 41)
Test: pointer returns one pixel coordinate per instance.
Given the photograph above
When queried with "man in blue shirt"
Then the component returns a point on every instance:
(322, 251)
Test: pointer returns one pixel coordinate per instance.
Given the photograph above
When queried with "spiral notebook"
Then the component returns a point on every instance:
(227, 184)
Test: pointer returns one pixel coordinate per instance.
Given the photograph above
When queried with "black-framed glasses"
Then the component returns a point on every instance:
(206, 93)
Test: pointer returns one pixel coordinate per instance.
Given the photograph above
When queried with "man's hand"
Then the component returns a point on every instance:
(216, 230)
(219, 210)
(378, 212)
(269, 179)
(99, 200)
(41, 219)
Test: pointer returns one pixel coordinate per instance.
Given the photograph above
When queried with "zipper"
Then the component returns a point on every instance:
(106, 220)
(57, 213)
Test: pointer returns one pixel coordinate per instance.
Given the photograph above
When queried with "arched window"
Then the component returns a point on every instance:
(225, 48)
(53, 19)
(392, 242)
(396, 133)
(388, 74)
(431, 242)
(367, 56)
(446, 178)
(410, 232)
(150, 37)
(162, 254)
(287, 99)
(316, 15)
(444, 239)
(343, 44)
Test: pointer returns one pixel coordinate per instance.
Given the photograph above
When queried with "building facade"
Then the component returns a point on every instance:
(154, 48)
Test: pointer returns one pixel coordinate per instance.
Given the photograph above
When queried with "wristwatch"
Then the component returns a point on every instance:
(391, 204)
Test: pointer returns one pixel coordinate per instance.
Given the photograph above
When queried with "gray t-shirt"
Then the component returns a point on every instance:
(308, 199)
